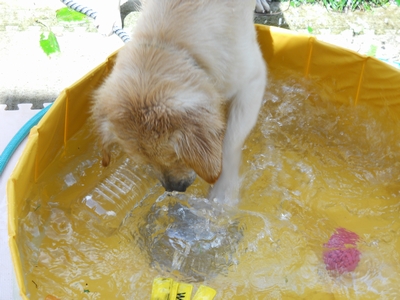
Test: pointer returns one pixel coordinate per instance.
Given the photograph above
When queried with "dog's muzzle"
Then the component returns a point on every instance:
(178, 185)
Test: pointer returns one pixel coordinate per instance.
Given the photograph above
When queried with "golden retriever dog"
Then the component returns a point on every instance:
(163, 101)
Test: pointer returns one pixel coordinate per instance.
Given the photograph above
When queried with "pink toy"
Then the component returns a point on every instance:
(342, 256)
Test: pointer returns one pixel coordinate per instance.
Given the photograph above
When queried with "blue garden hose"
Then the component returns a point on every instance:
(19, 137)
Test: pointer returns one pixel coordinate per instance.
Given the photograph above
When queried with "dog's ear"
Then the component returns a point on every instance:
(201, 150)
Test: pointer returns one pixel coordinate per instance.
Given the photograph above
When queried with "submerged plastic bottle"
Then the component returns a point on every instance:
(103, 207)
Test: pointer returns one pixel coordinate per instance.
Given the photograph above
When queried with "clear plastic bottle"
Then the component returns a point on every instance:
(106, 204)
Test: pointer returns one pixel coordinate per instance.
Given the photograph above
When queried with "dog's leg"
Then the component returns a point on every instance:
(242, 118)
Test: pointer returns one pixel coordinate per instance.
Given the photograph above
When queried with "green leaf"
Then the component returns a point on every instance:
(69, 15)
(398, 2)
(49, 43)
(310, 30)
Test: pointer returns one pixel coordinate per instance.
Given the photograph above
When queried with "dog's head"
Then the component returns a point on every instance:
(175, 129)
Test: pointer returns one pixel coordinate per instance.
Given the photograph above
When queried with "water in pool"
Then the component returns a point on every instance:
(318, 217)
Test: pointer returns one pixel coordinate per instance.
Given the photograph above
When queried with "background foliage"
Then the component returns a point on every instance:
(343, 5)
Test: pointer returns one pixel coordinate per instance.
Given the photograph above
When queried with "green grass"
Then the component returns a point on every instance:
(342, 5)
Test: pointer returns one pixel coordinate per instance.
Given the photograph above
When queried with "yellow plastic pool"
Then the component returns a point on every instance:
(319, 216)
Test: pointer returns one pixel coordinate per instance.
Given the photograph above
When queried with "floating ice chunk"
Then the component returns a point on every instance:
(191, 236)
(111, 213)
(285, 216)
(69, 179)
(59, 225)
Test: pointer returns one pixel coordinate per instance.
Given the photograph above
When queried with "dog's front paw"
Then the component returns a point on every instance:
(225, 191)
(105, 23)
(262, 6)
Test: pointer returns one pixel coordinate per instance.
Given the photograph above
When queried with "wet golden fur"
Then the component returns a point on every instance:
(162, 101)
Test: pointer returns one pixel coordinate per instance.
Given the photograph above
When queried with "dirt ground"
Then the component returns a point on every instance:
(375, 32)
(27, 75)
